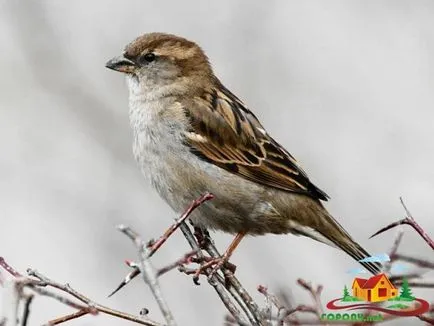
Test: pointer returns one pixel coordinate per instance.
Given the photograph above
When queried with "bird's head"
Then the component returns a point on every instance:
(158, 59)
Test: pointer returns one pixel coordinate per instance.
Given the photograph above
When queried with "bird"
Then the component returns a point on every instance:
(192, 135)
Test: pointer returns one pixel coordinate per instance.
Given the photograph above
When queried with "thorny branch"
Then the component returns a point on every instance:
(149, 274)
(215, 281)
(285, 312)
(37, 283)
(153, 246)
(279, 309)
(230, 282)
(224, 285)
(409, 220)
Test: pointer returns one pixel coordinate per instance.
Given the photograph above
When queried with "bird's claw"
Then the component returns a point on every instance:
(216, 264)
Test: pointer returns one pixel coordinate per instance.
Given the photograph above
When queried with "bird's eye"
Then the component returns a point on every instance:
(148, 57)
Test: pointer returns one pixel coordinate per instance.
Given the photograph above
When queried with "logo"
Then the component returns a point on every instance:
(377, 296)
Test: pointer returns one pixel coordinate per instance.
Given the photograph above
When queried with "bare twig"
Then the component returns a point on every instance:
(215, 282)
(183, 260)
(69, 317)
(155, 245)
(66, 288)
(415, 284)
(18, 284)
(8, 268)
(419, 262)
(195, 204)
(272, 299)
(285, 314)
(413, 260)
(409, 220)
(62, 299)
(315, 293)
(10, 301)
(240, 294)
(393, 250)
(397, 278)
(426, 319)
(91, 306)
(26, 313)
(40, 281)
(108, 311)
(149, 274)
(230, 320)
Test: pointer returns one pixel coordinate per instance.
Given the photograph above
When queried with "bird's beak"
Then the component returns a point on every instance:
(121, 64)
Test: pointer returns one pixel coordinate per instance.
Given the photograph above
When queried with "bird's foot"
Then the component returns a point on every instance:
(202, 236)
(216, 264)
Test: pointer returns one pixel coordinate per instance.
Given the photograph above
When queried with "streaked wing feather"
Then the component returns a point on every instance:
(227, 134)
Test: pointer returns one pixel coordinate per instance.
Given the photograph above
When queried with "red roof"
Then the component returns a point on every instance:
(372, 282)
(360, 281)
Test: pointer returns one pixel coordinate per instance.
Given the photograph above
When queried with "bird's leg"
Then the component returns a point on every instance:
(228, 253)
(220, 261)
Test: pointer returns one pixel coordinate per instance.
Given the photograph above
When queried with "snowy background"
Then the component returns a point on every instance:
(345, 86)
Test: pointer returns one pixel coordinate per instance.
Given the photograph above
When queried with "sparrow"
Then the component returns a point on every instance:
(193, 135)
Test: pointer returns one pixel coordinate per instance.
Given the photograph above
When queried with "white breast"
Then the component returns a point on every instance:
(157, 143)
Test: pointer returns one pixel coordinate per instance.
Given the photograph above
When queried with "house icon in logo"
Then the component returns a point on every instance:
(377, 288)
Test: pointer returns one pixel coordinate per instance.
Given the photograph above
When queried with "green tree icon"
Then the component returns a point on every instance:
(346, 293)
(406, 291)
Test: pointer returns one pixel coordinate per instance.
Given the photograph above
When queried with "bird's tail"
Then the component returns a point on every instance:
(353, 249)
(335, 233)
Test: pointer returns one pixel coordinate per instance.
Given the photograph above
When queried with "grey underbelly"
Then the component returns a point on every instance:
(238, 204)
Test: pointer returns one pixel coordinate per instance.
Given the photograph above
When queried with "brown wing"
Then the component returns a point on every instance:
(224, 132)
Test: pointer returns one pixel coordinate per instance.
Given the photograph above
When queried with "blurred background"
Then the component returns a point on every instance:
(345, 86)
